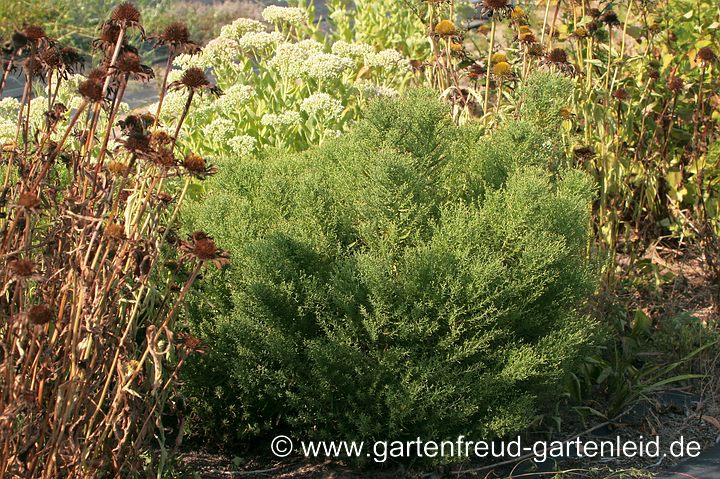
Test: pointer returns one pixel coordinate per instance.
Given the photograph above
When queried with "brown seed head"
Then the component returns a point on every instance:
(22, 268)
(40, 314)
(128, 62)
(115, 231)
(706, 55)
(194, 78)
(675, 84)
(557, 55)
(495, 4)
(92, 90)
(621, 94)
(117, 168)
(175, 33)
(194, 163)
(28, 200)
(610, 18)
(205, 249)
(34, 33)
(126, 13)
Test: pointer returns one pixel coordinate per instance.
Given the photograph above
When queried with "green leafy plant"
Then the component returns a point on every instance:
(397, 281)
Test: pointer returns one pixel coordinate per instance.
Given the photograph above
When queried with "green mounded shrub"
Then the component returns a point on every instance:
(398, 281)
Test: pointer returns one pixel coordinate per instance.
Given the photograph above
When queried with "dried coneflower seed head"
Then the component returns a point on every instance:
(675, 84)
(557, 55)
(126, 13)
(205, 249)
(34, 33)
(51, 57)
(22, 268)
(28, 200)
(40, 314)
(194, 78)
(97, 74)
(706, 55)
(128, 62)
(621, 94)
(594, 12)
(194, 163)
(91, 89)
(19, 40)
(115, 231)
(654, 74)
(495, 4)
(445, 28)
(117, 168)
(176, 32)
(610, 18)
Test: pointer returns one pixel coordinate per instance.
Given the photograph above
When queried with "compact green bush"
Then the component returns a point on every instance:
(395, 282)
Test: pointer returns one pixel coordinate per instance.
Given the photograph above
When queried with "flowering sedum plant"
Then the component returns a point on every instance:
(283, 88)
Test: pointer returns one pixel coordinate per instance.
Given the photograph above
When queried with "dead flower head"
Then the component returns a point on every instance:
(498, 9)
(557, 59)
(126, 15)
(23, 269)
(39, 314)
(202, 248)
(195, 80)
(176, 37)
(706, 55)
(196, 166)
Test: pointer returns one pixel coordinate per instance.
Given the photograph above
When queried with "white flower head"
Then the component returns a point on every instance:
(234, 97)
(290, 59)
(356, 51)
(259, 41)
(284, 119)
(219, 131)
(185, 61)
(389, 60)
(7, 132)
(9, 107)
(371, 90)
(322, 105)
(220, 51)
(242, 145)
(278, 15)
(327, 66)
(240, 28)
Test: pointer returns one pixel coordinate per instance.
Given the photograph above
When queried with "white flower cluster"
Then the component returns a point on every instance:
(219, 131)
(322, 105)
(259, 41)
(7, 132)
(235, 96)
(327, 67)
(388, 59)
(286, 118)
(356, 51)
(240, 28)
(340, 16)
(173, 105)
(220, 51)
(290, 59)
(371, 90)
(292, 16)
(242, 145)
(185, 61)
(9, 109)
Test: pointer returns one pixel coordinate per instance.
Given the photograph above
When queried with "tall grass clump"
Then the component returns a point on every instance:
(93, 271)
(395, 282)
